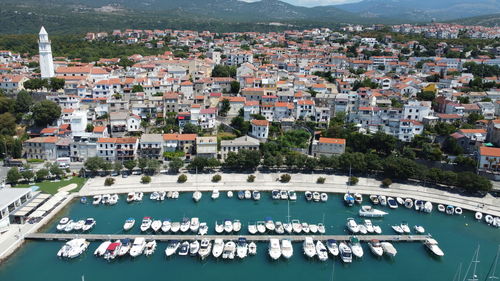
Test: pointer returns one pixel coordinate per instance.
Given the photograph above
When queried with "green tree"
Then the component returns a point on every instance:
(224, 71)
(225, 107)
(473, 117)
(145, 179)
(27, 174)
(109, 181)
(56, 83)
(8, 122)
(130, 164)
(42, 174)
(182, 178)
(142, 163)
(285, 178)
(117, 166)
(24, 101)
(46, 112)
(175, 164)
(6, 104)
(451, 146)
(89, 128)
(235, 87)
(216, 178)
(137, 88)
(426, 95)
(153, 166)
(55, 170)
(13, 176)
(191, 128)
(93, 164)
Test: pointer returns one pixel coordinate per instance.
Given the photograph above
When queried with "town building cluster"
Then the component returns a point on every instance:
(449, 31)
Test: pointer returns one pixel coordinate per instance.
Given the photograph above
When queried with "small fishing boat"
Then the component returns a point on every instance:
(146, 223)
(450, 210)
(172, 247)
(419, 205)
(62, 224)
(175, 226)
(175, 194)
(389, 249)
(83, 200)
(288, 227)
(332, 247)
(283, 195)
(292, 195)
(162, 195)
(458, 211)
(441, 208)
(305, 227)
(203, 229)
(393, 204)
(194, 247)
(376, 248)
(194, 224)
(112, 250)
(408, 203)
(286, 248)
(156, 225)
(377, 229)
(242, 248)
(349, 199)
(228, 226)
(197, 196)
(370, 212)
(241, 194)
(97, 200)
(252, 228)
(383, 200)
(316, 196)
(432, 245)
(89, 224)
(398, 229)
(256, 195)
(279, 227)
(205, 248)
(125, 248)
(356, 248)
(130, 197)
(138, 196)
(488, 219)
(183, 249)
(428, 207)
(215, 194)
(352, 226)
(236, 225)
(419, 229)
(229, 194)
(309, 247)
(248, 194)
(369, 226)
(296, 226)
(405, 227)
(150, 247)
(274, 248)
(270, 224)
(324, 197)
(69, 226)
(185, 224)
(169, 194)
(321, 228)
(252, 248)
(313, 228)
(102, 248)
(261, 227)
(321, 251)
(166, 225)
(400, 200)
(308, 195)
(154, 196)
(478, 215)
(374, 199)
(345, 252)
(358, 198)
(362, 229)
(229, 250)
(275, 194)
(79, 225)
(113, 200)
(105, 198)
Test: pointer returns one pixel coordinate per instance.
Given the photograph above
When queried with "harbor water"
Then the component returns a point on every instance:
(458, 236)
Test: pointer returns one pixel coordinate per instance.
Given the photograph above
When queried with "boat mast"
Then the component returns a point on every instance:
(495, 262)
(458, 273)
(474, 261)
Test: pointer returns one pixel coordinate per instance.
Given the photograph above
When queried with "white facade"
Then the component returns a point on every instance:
(45, 51)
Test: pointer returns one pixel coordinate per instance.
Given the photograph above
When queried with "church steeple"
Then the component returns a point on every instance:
(45, 53)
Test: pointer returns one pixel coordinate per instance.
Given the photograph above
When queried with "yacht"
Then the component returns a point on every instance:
(270, 224)
(279, 227)
(252, 228)
(252, 248)
(283, 195)
(194, 247)
(275, 194)
(292, 195)
(383, 200)
(69, 226)
(79, 225)
(432, 245)
(112, 250)
(229, 194)
(388, 249)
(183, 249)
(172, 247)
(175, 226)
(393, 204)
(352, 226)
(358, 198)
(332, 247)
(356, 248)
(219, 228)
(229, 250)
(89, 224)
(194, 224)
(376, 248)
(321, 228)
(97, 200)
(73, 248)
(248, 194)
(218, 247)
(309, 247)
(205, 248)
(156, 225)
(130, 197)
(241, 194)
(197, 196)
(345, 252)
(102, 248)
(274, 248)
(154, 196)
(150, 247)
(348, 199)
(185, 224)
(286, 248)
(374, 199)
(321, 251)
(256, 195)
(203, 229)
(215, 194)
(236, 225)
(62, 224)
(316, 196)
(308, 195)
(419, 229)
(125, 248)
(370, 212)
(405, 227)
(242, 248)
(138, 247)
(398, 229)
(305, 227)
(408, 203)
(369, 226)
(228, 226)
(261, 227)
(324, 197)
(166, 225)
(146, 223)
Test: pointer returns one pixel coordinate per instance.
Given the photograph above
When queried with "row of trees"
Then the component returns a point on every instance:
(50, 170)
(53, 84)
(148, 166)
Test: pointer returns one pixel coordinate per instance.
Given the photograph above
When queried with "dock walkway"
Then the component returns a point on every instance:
(160, 237)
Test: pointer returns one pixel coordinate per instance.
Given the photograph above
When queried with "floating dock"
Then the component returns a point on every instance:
(164, 238)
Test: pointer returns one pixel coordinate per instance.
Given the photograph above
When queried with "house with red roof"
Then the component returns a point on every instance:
(328, 146)
(41, 148)
(260, 129)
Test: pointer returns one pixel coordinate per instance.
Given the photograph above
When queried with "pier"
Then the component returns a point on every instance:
(164, 238)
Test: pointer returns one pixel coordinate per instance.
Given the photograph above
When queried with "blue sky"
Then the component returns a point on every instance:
(312, 3)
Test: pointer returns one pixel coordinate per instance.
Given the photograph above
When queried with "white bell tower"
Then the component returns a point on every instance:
(45, 52)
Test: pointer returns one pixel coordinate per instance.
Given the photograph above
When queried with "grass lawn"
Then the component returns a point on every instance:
(52, 187)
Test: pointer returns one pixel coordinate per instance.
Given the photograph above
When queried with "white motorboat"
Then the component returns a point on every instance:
(242, 248)
(408, 203)
(229, 250)
(316, 196)
(175, 226)
(478, 215)
(313, 228)
(428, 207)
(113, 200)
(369, 226)
(125, 247)
(376, 248)
(112, 250)
(175, 195)
(332, 247)
(102, 248)
(270, 224)
(130, 197)
(194, 247)
(197, 196)
(236, 225)
(229, 194)
(362, 229)
(383, 200)
(138, 196)
(252, 249)
(73, 248)
(288, 227)
(105, 198)
(450, 210)
(228, 226)
(185, 224)
(458, 211)
(137, 247)
(309, 247)
(166, 225)
(488, 219)
(280, 229)
(146, 223)
(352, 226)
(275, 194)
(432, 245)
(79, 225)
(248, 194)
(69, 226)
(154, 196)
(62, 224)
(172, 247)
(321, 228)
(296, 226)
(219, 228)
(183, 249)
(358, 198)
(405, 227)
(308, 195)
(283, 195)
(441, 208)
(419, 205)
(419, 229)
(203, 229)
(345, 252)
(162, 195)
(324, 197)
(286, 248)
(305, 227)
(370, 212)
(398, 229)
(241, 194)
(89, 224)
(256, 195)
(252, 228)
(194, 225)
(356, 248)
(96, 199)
(156, 225)
(400, 200)
(205, 248)
(377, 229)
(150, 247)
(374, 199)
(388, 249)
(393, 204)
(349, 199)
(292, 195)
(215, 194)
(169, 194)
(321, 251)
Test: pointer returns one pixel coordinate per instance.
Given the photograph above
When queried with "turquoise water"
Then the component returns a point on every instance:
(458, 237)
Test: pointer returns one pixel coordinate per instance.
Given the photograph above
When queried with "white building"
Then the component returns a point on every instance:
(260, 129)
(45, 51)
(489, 158)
